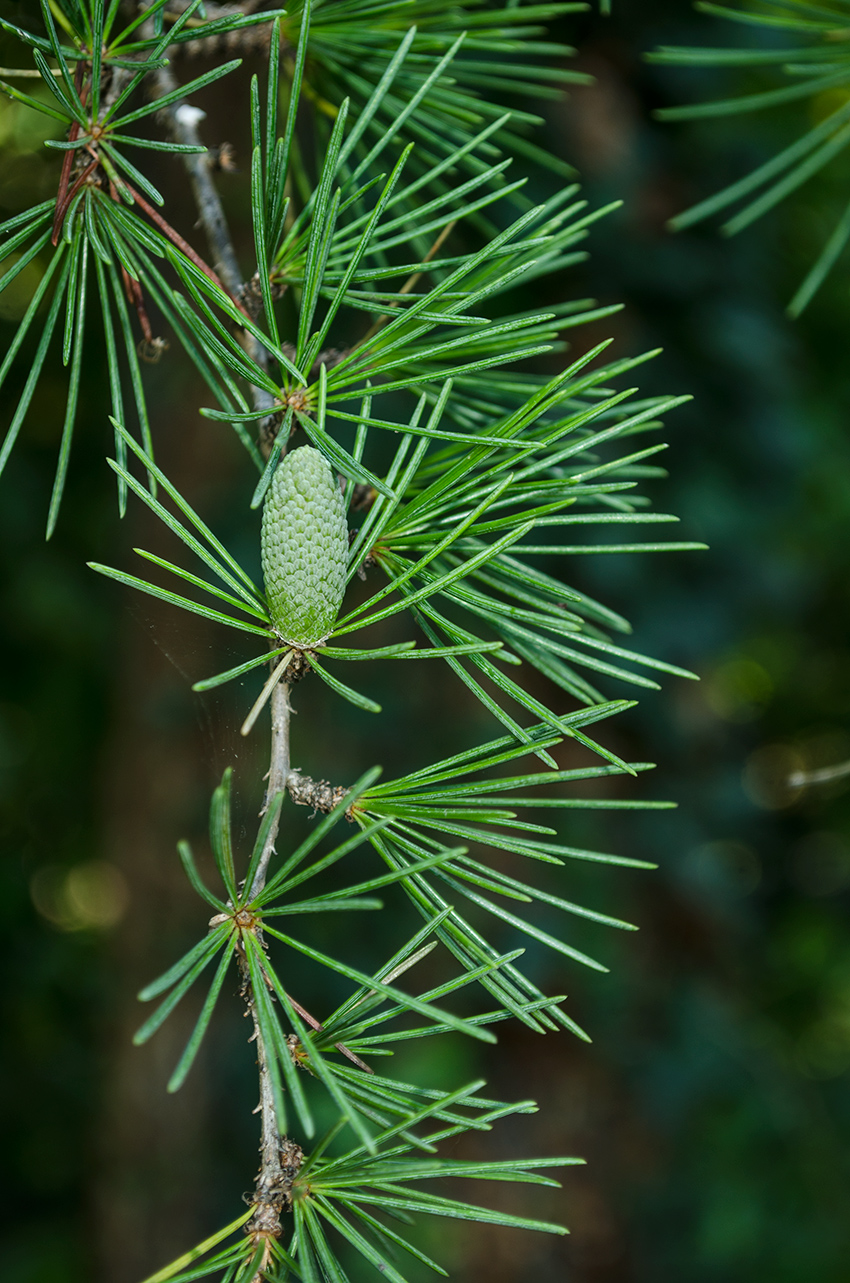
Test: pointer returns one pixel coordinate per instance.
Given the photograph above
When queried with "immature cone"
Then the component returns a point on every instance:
(304, 547)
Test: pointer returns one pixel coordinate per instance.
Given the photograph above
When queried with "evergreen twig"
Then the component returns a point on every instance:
(389, 304)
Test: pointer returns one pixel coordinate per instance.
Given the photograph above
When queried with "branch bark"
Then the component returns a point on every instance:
(279, 773)
(182, 120)
(280, 1158)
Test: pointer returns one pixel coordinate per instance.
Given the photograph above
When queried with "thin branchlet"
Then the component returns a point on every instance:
(181, 121)
(279, 772)
(271, 1190)
(280, 1158)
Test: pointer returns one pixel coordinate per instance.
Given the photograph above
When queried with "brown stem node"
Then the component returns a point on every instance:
(320, 794)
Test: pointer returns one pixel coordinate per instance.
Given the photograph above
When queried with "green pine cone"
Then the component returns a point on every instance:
(304, 547)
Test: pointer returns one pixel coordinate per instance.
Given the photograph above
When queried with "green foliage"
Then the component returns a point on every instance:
(378, 1109)
(106, 211)
(354, 48)
(390, 219)
(95, 219)
(804, 47)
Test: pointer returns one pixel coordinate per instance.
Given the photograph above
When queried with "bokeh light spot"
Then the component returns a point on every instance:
(90, 896)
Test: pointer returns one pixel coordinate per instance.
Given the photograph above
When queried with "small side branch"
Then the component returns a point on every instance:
(279, 764)
(268, 1196)
(182, 122)
(279, 772)
(280, 1158)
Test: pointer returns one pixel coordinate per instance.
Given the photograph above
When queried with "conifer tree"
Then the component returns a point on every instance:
(427, 456)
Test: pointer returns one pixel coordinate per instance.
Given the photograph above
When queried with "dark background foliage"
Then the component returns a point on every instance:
(713, 1104)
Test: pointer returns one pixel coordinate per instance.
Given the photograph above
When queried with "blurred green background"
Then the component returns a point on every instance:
(713, 1106)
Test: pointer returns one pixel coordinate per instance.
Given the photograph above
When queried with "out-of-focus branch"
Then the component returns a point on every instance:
(825, 775)
(182, 121)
